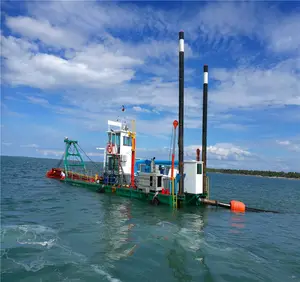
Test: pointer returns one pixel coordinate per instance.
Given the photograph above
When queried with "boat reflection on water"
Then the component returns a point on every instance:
(159, 240)
(186, 250)
(237, 222)
(117, 230)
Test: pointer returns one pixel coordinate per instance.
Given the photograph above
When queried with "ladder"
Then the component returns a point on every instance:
(121, 172)
(174, 196)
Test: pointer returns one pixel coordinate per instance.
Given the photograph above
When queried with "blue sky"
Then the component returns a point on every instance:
(68, 67)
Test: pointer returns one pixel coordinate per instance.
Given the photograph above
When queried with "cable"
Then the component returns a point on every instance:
(60, 161)
(98, 167)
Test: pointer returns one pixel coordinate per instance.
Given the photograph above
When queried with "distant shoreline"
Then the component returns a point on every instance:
(267, 174)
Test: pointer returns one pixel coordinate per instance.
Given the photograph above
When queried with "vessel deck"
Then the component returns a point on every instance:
(186, 199)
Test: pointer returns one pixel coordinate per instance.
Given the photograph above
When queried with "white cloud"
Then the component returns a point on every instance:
(283, 34)
(220, 25)
(219, 151)
(6, 143)
(291, 145)
(113, 61)
(222, 20)
(231, 126)
(59, 153)
(42, 30)
(30, 146)
(5, 111)
(50, 152)
(283, 142)
(72, 47)
(38, 101)
(47, 71)
(140, 109)
(222, 151)
(257, 87)
(90, 17)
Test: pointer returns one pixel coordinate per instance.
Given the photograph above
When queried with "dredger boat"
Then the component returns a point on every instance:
(174, 183)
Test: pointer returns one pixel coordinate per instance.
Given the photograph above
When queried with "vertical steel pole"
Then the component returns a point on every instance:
(204, 125)
(181, 112)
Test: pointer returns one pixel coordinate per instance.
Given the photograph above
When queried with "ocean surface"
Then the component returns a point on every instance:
(51, 231)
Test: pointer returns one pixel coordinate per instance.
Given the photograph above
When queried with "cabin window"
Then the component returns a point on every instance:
(199, 168)
(126, 141)
(159, 180)
(114, 138)
(118, 139)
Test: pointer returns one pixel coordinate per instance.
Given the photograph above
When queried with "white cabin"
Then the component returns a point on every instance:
(119, 144)
(193, 181)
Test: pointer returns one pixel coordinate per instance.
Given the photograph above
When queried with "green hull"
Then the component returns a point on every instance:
(185, 200)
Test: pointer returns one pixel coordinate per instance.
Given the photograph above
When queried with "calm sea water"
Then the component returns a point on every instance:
(54, 232)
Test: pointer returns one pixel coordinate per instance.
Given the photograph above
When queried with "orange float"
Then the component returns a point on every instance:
(237, 206)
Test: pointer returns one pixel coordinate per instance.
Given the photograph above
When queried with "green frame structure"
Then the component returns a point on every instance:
(72, 145)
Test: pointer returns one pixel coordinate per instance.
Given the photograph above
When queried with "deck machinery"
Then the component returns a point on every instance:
(150, 175)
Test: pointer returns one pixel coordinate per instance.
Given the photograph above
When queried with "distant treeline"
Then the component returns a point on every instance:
(257, 172)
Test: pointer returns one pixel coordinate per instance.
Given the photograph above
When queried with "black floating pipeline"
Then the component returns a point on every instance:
(260, 210)
(234, 206)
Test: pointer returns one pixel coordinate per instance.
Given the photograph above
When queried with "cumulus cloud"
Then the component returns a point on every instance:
(284, 37)
(85, 69)
(257, 87)
(43, 31)
(111, 64)
(221, 151)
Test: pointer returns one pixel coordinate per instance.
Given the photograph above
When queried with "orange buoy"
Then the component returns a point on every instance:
(237, 206)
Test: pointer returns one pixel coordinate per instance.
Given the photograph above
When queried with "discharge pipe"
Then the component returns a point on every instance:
(234, 206)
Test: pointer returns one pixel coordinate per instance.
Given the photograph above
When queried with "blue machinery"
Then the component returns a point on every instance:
(147, 166)
(147, 163)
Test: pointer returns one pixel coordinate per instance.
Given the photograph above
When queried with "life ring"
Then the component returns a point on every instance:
(109, 148)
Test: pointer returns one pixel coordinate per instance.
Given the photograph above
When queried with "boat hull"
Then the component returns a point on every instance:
(165, 199)
(54, 173)
(89, 182)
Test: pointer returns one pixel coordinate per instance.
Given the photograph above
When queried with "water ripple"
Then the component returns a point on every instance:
(54, 232)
